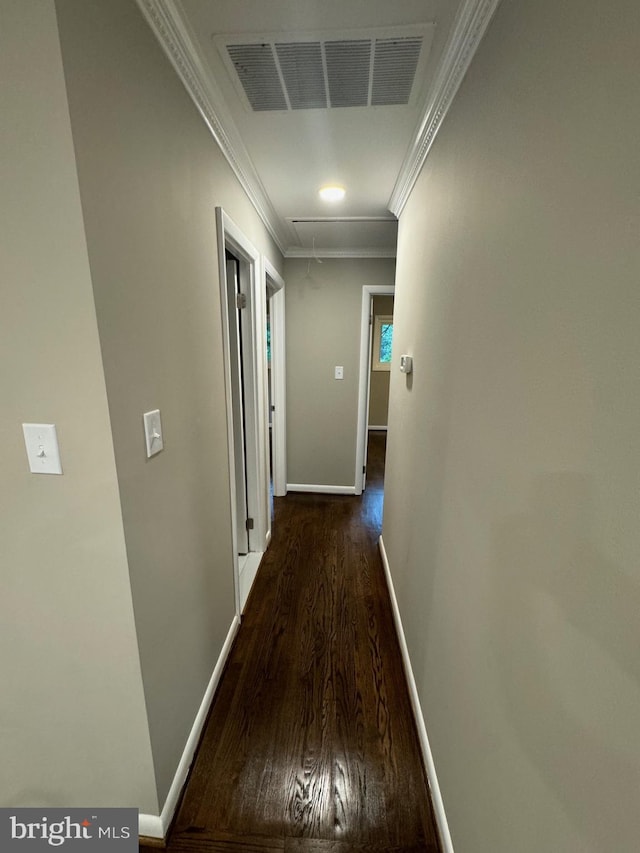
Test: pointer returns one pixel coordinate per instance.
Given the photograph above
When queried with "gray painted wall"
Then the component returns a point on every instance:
(324, 304)
(150, 179)
(73, 726)
(511, 492)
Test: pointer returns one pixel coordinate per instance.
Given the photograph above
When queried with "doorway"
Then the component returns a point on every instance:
(367, 330)
(243, 311)
(277, 457)
(237, 321)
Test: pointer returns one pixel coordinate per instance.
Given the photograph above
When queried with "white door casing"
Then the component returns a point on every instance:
(253, 318)
(368, 292)
(274, 285)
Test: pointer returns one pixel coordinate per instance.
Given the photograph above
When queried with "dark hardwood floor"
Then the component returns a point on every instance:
(310, 745)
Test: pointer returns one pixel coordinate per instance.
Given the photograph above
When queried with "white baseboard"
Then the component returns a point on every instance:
(150, 826)
(248, 570)
(436, 796)
(321, 490)
(377, 428)
(157, 826)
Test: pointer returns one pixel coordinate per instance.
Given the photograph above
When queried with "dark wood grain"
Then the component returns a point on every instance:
(310, 745)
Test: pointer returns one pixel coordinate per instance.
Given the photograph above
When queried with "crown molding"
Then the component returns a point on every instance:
(316, 254)
(168, 25)
(471, 23)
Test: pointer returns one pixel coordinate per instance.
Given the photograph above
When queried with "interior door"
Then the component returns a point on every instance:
(237, 401)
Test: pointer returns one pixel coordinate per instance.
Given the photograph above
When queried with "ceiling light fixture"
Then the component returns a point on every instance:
(332, 193)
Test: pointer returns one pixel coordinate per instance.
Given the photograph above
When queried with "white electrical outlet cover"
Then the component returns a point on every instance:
(41, 441)
(153, 432)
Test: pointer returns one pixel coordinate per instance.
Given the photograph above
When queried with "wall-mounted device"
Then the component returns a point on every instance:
(153, 432)
(41, 441)
(406, 363)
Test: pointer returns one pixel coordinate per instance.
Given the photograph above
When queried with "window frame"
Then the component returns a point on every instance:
(380, 320)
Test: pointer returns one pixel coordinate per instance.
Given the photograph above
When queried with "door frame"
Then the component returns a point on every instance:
(274, 284)
(231, 238)
(236, 324)
(366, 331)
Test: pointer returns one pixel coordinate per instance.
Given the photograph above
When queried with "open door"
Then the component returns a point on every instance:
(234, 301)
(243, 304)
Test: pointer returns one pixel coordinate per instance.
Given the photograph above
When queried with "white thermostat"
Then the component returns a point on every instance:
(406, 363)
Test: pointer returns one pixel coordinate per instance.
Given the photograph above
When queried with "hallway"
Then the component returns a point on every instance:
(310, 745)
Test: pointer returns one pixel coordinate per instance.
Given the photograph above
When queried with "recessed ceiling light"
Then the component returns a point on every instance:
(332, 193)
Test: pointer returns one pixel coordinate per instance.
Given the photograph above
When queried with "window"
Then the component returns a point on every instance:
(382, 342)
(268, 342)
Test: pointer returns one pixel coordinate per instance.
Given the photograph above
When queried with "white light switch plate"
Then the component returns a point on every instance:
(153, 432)
(339, 372)
(43, 453)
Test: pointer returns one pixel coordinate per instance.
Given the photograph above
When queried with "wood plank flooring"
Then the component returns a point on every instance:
(310, 746)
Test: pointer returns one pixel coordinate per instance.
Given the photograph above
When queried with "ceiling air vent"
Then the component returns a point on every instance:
(320, 72)
(394, 69)
(302, 74)
(348, 70)
(258, 74)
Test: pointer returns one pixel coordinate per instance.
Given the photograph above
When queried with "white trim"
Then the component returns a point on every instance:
(296, 252)
(368, 292)
(154, 826)
(278, 377)
(371, 428)
(321, 490)
(248, 570)
(169, 25)
(150, 826)
(226, 346)
(436, 796)
(471, 23)
(230, 236)
(277, 282)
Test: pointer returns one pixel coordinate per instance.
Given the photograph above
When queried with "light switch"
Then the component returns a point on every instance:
(339, 373)
(43, 453)
(153, 432)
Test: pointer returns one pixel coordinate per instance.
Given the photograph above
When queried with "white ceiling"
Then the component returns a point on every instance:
(283, 157)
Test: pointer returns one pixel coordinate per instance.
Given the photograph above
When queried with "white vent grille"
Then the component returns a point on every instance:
(394, 70)
(258, 74)
(303, 75)
(320, 73)
(348, 70)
